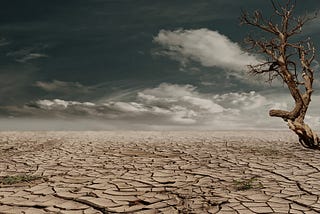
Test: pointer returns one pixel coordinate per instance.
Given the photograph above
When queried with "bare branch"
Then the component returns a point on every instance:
(299, 23)
(258, 21)
(291, 61)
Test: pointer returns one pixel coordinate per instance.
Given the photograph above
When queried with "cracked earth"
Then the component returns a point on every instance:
(158, 172)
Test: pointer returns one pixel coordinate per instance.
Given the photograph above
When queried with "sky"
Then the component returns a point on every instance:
(137, 65)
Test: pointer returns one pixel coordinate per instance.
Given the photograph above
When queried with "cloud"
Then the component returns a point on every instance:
(184, 95)
(210, 48)
(4, 42)
(241, 101)
(62, 87)
(26, 54)
(60, 104)
(164, 107)
(154, 104)
(312, 26)
(31, 56)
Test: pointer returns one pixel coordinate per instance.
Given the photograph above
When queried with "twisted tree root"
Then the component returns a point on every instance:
(307, 138)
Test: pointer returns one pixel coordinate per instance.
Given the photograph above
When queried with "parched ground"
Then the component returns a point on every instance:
(157, 172)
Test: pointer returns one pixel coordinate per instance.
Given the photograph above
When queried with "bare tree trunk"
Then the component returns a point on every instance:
(295, 119)
(307, 137)
(289, 60)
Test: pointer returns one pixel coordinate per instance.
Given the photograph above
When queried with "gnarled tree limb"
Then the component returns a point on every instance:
(293, 72)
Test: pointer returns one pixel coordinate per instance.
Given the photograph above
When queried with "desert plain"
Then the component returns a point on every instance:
(157, 172)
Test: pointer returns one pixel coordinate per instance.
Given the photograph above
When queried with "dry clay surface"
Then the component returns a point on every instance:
(158, 172)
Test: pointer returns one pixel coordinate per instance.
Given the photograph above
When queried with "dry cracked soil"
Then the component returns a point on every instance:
(157, 172)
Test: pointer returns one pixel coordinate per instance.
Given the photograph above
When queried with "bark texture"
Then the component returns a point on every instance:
(288, 60)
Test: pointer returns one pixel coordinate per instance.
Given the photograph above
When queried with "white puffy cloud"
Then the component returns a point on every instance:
(181, 102)
(57, 103)
(166, 90)
(130, 107)
(169, 106)
(204, 104)
(210, 48)
(176, 95)
(244, 101)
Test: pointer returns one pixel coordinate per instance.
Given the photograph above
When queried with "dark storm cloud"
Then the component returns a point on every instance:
(63, 87)
(102, 51)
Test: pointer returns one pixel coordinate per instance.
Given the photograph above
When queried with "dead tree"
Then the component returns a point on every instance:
(286, 59)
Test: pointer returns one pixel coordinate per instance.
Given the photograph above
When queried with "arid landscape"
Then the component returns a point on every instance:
(157, 172)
